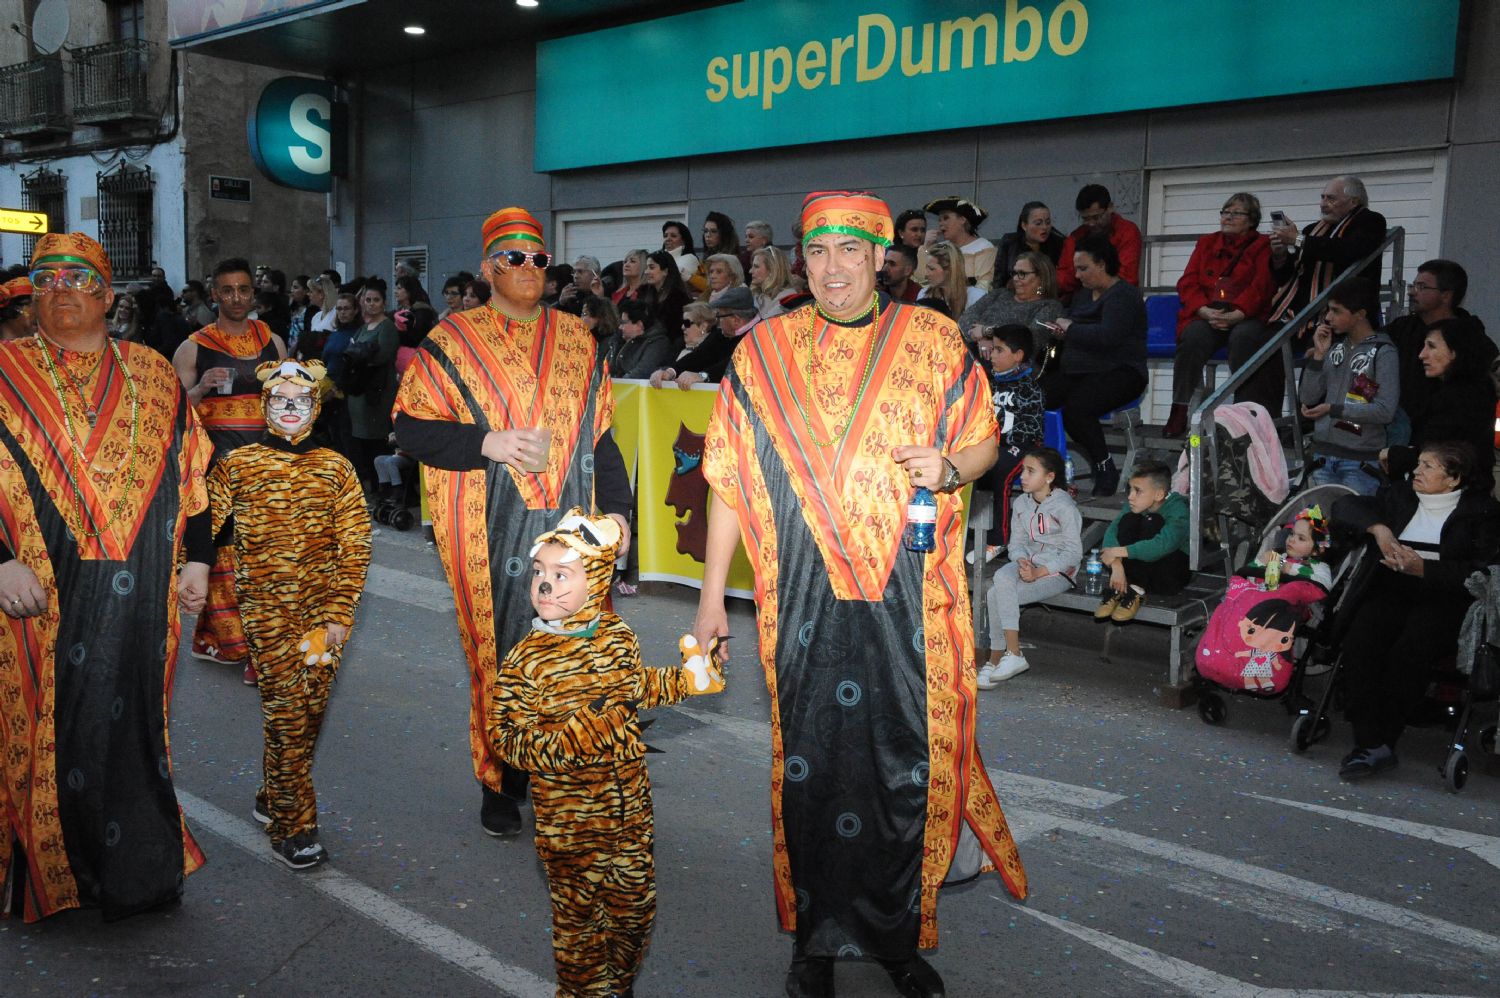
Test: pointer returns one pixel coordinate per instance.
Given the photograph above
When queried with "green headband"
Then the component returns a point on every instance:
(844, 230)
(63, 258)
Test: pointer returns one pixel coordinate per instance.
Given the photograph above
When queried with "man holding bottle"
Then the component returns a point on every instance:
(827, 422)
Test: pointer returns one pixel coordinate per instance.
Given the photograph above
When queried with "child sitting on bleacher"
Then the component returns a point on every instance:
(1018, 409)
(1045, 548)
(1146, 547)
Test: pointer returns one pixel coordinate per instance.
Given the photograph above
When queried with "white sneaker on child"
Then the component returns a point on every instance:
(986, 678)
(1009, 665)
(991, 552)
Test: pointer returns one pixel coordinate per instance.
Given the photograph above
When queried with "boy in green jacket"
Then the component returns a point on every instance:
(1146, 548)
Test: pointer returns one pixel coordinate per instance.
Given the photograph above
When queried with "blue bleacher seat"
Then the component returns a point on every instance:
(1052, 431)
(1161, 325)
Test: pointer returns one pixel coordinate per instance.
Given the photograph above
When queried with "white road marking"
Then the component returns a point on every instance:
(1486, 847)
(1040, 812)
(408, 587)
(1188, 977)
(1296, 887)
(444, 943)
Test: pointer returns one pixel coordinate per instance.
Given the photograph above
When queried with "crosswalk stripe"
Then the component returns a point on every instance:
(1486, 847)
(444, 943)
(1189, 977)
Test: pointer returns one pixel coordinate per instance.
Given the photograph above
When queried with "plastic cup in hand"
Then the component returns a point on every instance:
(227, 385)
(539, 465)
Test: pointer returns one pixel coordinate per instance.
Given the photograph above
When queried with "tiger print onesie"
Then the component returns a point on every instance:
(564, 707)
(302, 543)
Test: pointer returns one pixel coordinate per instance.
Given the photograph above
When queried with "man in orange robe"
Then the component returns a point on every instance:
(101, 498)
(216, 365)
(827, 420)
(476, 406)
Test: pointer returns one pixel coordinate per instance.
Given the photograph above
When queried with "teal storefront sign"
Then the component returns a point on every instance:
(783, 72)
(299, 133)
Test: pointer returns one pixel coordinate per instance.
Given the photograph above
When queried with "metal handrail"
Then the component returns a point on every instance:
(1280, 343)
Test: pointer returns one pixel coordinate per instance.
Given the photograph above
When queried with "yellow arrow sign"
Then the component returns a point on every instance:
(15, 220)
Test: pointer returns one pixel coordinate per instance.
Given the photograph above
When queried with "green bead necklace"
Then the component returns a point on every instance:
(840, 432)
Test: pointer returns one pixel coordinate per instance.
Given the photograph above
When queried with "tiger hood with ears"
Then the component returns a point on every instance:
(595, 541)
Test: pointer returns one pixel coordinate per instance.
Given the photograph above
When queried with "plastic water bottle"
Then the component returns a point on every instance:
(921, 521)
(1068, 482)
(1093, 575)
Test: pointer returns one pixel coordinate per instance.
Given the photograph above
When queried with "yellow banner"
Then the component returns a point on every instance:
(660, 433)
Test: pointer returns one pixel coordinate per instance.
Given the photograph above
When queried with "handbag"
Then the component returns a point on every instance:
(1484, 681)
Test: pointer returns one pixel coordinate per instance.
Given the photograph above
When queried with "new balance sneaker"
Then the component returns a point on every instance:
(248, 677)
(300, 851)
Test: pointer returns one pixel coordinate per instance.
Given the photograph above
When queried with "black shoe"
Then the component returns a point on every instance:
(1368, 762)
(259, 812)
(1106, 478)
(627, 993)
(500, 815)
(810, 977)
(300, 851)
(1176, 421)
(915, 978)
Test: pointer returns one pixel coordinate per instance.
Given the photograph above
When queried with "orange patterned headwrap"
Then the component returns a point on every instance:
(16, 287)
(850, 213)
(71, 248)
(512, 223)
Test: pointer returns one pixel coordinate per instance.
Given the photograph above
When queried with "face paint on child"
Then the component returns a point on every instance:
(559, 584)
(289, 409)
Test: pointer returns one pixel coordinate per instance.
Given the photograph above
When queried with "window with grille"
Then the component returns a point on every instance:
(46, 191)
(125, 212)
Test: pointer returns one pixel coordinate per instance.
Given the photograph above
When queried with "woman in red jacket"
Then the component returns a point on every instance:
(1226, 293)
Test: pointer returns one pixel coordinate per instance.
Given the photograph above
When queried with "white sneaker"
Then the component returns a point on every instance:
(1010, 665)
(986, 678)
(991, 552)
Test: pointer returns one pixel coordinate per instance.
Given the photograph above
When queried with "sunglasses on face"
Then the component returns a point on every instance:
(515, 258)
(689, 322)
(68, 279)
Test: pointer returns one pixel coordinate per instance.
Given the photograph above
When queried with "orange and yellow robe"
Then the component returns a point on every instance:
(867, 647)
(232, 421)
(479, 371)
(88, 815)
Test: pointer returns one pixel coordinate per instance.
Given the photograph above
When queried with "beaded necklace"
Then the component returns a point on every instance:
(118, 505)
(839, 432)
(90, 412)
(516, 318)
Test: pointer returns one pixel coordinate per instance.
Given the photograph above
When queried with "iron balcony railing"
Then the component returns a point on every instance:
(32, 98)
(110, 81)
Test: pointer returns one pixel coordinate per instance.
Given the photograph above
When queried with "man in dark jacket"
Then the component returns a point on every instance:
(1432, 299)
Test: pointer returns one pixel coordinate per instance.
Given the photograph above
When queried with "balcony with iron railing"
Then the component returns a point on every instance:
(111, 82)
(33, 98)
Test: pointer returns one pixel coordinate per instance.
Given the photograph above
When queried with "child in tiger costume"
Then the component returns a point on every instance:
(301, 536)
(564, 708)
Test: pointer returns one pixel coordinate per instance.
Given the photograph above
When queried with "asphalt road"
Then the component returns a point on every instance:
(1165, 857)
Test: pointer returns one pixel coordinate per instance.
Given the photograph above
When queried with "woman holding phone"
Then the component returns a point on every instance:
(1226, 293)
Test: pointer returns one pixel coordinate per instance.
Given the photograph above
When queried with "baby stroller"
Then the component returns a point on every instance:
(1259, 643)
(1478, 649)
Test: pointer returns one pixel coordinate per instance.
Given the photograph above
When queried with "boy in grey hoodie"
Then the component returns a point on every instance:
(1350, 387)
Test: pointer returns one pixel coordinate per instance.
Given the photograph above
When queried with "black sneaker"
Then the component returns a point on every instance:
(810, 977)
(1106, 478)
(500, 815)
(300, 851)
(259, 813)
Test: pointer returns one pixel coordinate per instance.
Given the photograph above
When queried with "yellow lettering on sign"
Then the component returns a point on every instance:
(969, 27)
(1014, 12)
(1080, 27)
(836, 65)
(916, 67)
(774, 83)
(864, 72)
(719, 83)
(810, 62)
(751, 85)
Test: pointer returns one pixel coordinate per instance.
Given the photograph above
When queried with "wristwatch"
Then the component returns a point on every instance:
(951, 481)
